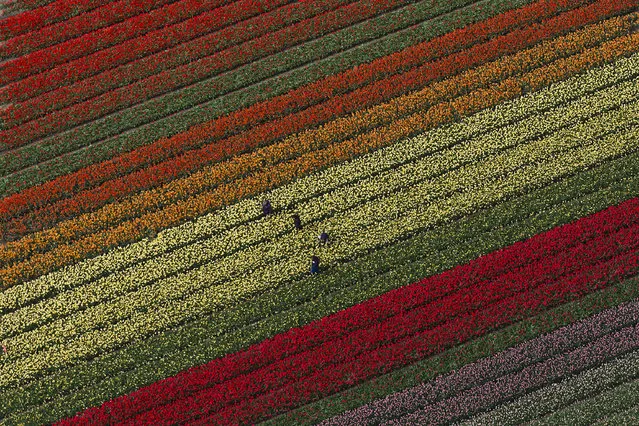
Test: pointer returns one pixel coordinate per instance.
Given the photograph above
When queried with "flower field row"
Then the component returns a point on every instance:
(405, 322)
(340, 199)
(511, 360)
(108, 14)
(196, 48)
(256, 137)
(556, 396)
(292, 101)
(304, 42)
(47, 58)
(356, 318)
(193, 72)
(201, 35)
(256, 183)
(589, 410)
(359, 53)
(348, 173)
(624, 417)
(50, 13)
(281, 310)
(491, 393)
(426, 371)
(175, 311)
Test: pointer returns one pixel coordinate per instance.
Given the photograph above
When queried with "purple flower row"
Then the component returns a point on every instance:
(509, 361)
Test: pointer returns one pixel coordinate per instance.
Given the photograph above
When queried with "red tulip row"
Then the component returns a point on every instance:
(234, 122)
(327, 92)
(331, 380)
(62, 53)
(39, 17)
(392, 317)
(108, 14)
(171, 36)
(192, 72)
(337, 357)
(196, 48)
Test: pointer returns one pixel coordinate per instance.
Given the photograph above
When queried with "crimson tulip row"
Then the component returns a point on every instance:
(190, 50)
(44, 13)
(108, 14)
(387, 332)
(45, 59)
(315, 60)
(327, 381)
(398, 302)
(217, 14)
(191, 73)
(215, 27)
(269, 132)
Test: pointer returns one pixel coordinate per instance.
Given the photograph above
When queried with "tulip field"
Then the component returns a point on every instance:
(167, 166)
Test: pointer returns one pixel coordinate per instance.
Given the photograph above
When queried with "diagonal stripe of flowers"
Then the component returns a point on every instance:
(606, 248)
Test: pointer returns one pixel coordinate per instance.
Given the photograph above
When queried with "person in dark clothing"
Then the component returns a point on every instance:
(315, 265)
(266, 208)
(297, 222)
(323, 238)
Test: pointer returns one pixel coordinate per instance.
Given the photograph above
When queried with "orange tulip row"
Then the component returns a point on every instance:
(197, 183)
(313, 150)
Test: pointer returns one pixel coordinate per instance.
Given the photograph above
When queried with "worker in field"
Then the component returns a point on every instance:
(323, 238)
(315, 265)
(297, 222)
(267, 209)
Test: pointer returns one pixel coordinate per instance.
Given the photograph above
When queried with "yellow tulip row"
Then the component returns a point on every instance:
(129, 280)
(24, 294)
(248, 210)
(199, 291)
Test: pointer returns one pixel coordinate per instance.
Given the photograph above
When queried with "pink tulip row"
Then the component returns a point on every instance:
(474, 375)
(513, 385)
